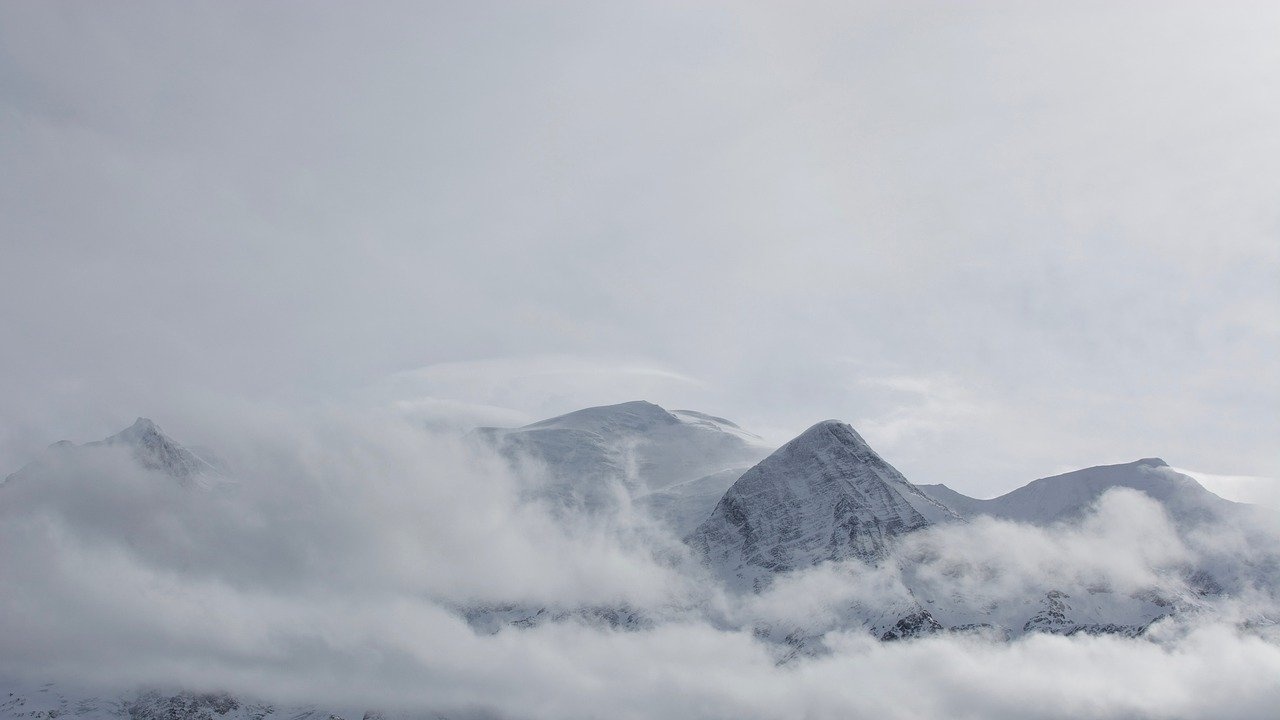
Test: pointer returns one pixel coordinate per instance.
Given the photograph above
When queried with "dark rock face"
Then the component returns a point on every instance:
(491, 618)
(1052, 616)
(914, 625)
(184, 706)
(1057, 617)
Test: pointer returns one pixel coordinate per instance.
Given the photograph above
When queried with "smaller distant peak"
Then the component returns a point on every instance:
(1152, 462)
(62, 444)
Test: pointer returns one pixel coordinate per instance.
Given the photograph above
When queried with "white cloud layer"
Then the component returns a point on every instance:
(1005, 239)
(329, 570)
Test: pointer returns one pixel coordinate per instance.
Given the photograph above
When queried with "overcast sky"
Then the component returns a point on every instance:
(1002, 240)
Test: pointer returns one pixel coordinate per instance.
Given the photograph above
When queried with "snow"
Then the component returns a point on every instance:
(156, 451)
(633, 448)
(149, 447)
(826, 495)
(684, 506)
(1066, 496)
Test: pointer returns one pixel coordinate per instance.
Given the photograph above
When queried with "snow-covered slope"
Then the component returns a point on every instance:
(826, 495)
(684, 506)
(634, 448)
(146, 444)
(1066, 496)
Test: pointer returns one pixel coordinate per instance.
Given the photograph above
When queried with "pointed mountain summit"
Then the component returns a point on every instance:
(147, 444)
(140, 429)
(154, 450)
(826, 495)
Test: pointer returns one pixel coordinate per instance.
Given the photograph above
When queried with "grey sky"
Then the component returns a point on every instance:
(1002, 240)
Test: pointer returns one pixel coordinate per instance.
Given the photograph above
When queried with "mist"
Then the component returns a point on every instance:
(335, 564)
(324, 242)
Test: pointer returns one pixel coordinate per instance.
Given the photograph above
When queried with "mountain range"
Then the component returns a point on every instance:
(752, 519)
(827, 497)
(749, 515)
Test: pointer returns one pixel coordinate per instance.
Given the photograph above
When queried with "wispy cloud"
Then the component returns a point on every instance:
(1241, 488)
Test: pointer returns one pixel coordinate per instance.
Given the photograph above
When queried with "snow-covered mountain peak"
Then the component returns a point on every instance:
(834, 451)
(145, 442)
(154, 450)
(637, 445)
(627, 417)
(143, 430)
(831, 436)
(825, 495)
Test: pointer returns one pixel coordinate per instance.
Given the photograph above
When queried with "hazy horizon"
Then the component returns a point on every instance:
(319, 243)
(1001, 241)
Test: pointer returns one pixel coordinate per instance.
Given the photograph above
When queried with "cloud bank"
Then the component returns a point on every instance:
(331, 568)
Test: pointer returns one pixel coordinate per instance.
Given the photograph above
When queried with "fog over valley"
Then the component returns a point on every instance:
(353, 559)
(652, 361)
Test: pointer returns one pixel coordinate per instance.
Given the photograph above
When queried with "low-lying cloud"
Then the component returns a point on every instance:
(330, 569)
